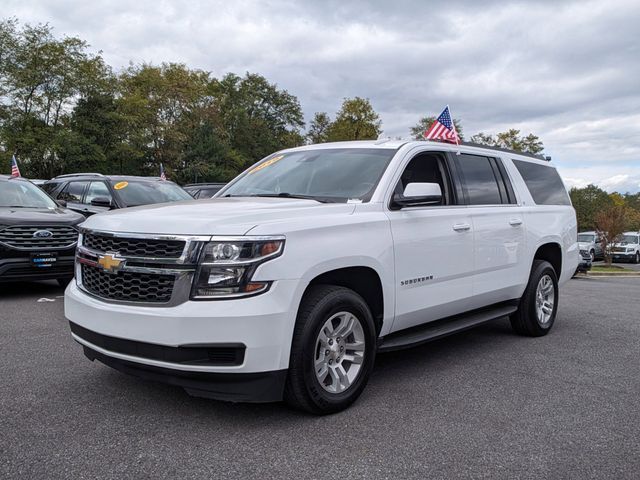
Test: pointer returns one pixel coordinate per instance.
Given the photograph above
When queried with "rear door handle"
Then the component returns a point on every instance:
(514, 222)
(461, 227)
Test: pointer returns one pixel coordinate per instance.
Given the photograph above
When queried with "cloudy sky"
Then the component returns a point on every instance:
(566, 71)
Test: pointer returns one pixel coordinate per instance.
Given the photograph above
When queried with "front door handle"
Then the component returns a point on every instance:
(461, 227)
(514, 222)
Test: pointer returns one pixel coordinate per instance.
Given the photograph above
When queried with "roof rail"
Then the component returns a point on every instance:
(66, 175)
(537, 156)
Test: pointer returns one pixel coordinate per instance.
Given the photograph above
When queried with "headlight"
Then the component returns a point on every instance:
(226, 267)
(630, 250)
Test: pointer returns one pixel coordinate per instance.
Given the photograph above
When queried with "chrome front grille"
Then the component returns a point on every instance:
(128, 286)
(156, 270)
(39, 237)
(134, 247)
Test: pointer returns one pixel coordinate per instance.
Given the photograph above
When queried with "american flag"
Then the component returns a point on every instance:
(15, 171)
(162, 175)
(443, 128)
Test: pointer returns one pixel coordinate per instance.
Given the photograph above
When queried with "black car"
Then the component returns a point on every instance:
(90, 193)
(37, 236)
(203, 190)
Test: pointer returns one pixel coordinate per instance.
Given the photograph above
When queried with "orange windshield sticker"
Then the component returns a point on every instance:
(120, 185)
(265, 164)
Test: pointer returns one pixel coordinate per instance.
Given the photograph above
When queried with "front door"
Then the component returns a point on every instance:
(433, 248)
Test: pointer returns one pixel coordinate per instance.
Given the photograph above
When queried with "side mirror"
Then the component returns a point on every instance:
(417, 194)
(101, 202)
(62, 203)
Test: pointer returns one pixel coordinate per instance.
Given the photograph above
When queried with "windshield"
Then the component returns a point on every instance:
(633, 239)
(134, 193)
(326, 175)
(24, 195)
(586, 238)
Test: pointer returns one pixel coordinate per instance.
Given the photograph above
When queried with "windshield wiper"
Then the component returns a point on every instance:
(282, 195)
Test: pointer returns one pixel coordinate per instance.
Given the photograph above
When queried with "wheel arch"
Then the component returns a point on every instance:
(552, 253)
(362, 279)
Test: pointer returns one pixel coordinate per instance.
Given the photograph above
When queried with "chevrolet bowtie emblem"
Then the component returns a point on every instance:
(110, 263)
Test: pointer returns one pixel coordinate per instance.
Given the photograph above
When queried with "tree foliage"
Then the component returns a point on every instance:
(511, 139)
(588, 201)
(319, 128)
(63, 110)
(611, 222)
(356, 120)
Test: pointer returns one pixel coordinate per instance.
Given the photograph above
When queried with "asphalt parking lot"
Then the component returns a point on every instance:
(481, 404)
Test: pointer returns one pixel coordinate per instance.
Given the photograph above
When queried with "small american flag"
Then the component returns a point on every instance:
(443, 128)
(15, 171)
(162, 175)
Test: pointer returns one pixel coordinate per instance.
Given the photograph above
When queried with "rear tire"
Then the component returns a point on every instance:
(333, 350)
(539, 303)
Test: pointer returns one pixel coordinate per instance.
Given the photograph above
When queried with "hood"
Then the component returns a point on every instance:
(39, 216)
(217, 216)
(585, 244)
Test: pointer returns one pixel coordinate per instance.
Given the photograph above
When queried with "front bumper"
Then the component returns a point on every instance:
(19, 268)
(233, 387)
(625, 257)
(263, 325)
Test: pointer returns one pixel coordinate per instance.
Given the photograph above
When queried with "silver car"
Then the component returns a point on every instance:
(590, 245)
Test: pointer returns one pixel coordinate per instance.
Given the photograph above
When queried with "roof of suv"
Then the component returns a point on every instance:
(9, 177)
(205, 184)
(395, 143)
(108, 177)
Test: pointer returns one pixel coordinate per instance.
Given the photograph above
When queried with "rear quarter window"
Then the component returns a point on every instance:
(543, 182)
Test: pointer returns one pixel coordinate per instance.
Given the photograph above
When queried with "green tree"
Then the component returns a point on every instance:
(417, 131)
(356, 120)
(319, 128)
(159, 106)
(42, 77)
(588, 201)
(511, 139)
(256, 117)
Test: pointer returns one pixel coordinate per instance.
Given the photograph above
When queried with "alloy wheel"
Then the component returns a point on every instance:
(339, 352)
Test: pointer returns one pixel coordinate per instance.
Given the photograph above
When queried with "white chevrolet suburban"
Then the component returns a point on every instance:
(308, 264)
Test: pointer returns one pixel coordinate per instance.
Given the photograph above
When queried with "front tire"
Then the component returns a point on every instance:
(539, 304)
(636, 259)
(332, 352)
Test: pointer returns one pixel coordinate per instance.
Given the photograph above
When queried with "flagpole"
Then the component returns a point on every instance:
(453, 124)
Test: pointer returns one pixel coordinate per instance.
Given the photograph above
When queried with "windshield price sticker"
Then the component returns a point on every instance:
(120, 185)
(271, 161)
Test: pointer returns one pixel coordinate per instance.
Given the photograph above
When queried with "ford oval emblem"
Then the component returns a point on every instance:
(42, 234)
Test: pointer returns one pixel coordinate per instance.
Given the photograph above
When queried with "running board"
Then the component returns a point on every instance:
(414, 336)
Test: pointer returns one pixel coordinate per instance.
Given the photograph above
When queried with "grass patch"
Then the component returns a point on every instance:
(610, 269)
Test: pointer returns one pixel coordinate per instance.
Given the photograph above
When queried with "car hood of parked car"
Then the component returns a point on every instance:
(217, 216)
(38, 216)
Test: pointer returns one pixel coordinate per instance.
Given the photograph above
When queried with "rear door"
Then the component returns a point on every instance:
(499, 229)
(433, 246)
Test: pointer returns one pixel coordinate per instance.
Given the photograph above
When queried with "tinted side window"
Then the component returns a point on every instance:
(479, 180)
(427, 168)
(97, 189)
(73, 192)
(50, 187)
(543, 183)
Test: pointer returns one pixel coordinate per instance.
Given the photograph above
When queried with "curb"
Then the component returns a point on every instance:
(612, 274)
